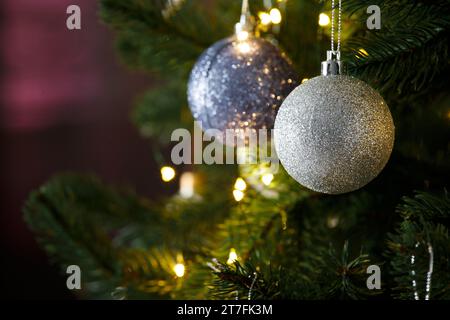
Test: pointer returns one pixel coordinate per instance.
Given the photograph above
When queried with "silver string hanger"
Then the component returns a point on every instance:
(333, 65)
(339, 25)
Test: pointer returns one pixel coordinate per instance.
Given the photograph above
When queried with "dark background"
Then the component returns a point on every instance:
(66, 101)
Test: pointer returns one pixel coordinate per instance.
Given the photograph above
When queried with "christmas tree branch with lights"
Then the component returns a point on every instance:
(245, 231)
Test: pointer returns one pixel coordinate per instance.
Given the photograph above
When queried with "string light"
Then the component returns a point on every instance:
(240, 184)
(332, 222)
(242, 35)
(363, 52)
(167, 173)
(187, 185)
(275, 16)
(324, 20)
(267, 178)
(244, 47)
(179, 270)
(238, 195)
(232, 257)
(265, 18)
(304, 80)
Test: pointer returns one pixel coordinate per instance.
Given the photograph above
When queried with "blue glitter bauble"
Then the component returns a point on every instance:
(239, 84)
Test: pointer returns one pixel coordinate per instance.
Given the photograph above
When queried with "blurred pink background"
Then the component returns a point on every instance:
(66, 101)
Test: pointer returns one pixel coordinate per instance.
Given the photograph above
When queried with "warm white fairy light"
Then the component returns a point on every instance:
(242, 35)
(265, 18)
(238, 195)
(240, 184)
(363, 52)
(179, 270)
(275, 16)
(232, 256)
(187, 182)
(267, 178)
(167, 173)
(324, 20)
(332, 222)
(244, 47)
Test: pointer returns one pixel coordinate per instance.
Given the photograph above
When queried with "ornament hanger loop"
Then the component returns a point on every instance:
(244, 10)
(333, 65)
(339, 24)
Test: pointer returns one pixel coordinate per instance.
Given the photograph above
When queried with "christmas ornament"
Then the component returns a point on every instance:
(239, 82)
(334, 133)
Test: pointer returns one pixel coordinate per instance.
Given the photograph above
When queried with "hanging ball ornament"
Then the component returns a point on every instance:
(334, 133)
(239, 83)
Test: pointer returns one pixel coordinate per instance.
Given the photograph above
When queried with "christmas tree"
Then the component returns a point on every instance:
(244, 231)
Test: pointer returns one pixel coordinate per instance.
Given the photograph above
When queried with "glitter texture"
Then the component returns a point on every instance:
(334, 134)
(239, 84)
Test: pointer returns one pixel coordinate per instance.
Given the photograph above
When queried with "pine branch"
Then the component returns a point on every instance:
(80, 221)
(125, 15)
(311, 268)
(425, 206)
(350, 275)
(250, 228)
(148, 273)
(411, 50)
(299, 37)
(238, 281)
(338, 277)
(155, 114)
(149, 38)
(424, 228)
(146, 39)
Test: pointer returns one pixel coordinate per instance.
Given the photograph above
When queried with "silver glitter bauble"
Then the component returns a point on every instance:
(239, 84)
(334, 134)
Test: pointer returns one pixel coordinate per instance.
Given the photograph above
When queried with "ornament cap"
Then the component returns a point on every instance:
(245, 25)
(333, 65)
